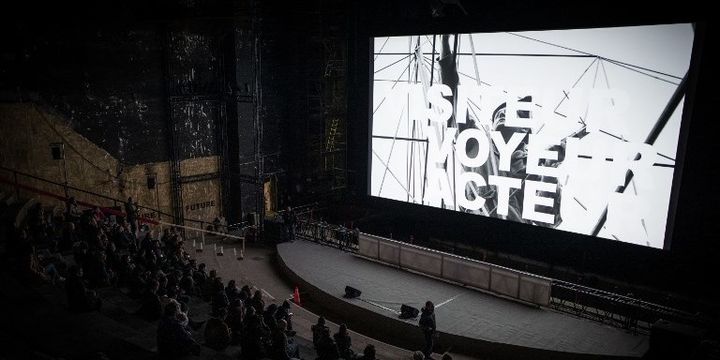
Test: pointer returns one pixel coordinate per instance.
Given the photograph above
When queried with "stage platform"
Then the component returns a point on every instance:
(469, 321)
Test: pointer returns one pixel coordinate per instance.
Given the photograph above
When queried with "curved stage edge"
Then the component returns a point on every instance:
(322, 273)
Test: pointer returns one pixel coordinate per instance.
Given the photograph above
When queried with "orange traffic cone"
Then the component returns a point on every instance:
(296, 296)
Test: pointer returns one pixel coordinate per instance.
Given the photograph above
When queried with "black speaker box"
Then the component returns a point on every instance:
(351, 292)
(408, 312)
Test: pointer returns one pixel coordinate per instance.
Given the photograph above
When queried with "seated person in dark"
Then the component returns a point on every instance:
(269, 317)
(282, 348)
(344, 343)
(235, 320)
(68, 238)
(254, 334)
(80, 299)
(283, 313)
(200, 277)
(368, 353)
(151, 309)
(97, 269)
(72, 210)
(326, 348)
(219, 301)
(317, 331)
(232, 291)
(187, 284)
(257, 302)
(173, 338)
(217, 333)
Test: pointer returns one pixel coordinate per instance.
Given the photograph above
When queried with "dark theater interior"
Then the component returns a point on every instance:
(359, 180)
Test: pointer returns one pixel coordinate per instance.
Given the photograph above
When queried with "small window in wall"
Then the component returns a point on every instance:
(57, 150)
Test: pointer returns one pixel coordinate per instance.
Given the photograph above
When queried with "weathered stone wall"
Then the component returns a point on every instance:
(29, 130)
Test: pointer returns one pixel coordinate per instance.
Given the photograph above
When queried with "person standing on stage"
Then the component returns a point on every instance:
(427, 324)
(289, 223)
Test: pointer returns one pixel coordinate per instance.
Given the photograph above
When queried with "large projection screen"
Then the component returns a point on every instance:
(575, 130)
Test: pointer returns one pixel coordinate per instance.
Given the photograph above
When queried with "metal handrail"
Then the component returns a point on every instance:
(201, 230)
(319, 231)
(66, 187)
(606, 302)
(624, 298)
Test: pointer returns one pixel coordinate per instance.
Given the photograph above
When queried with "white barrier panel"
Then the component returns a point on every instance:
(367, 246)
(389, 252)
(504, 282)
(535, 290)
(466, 272)
(526, 287)
(421, 260)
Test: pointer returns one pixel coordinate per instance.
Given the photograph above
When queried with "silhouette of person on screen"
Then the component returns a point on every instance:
(518, 164)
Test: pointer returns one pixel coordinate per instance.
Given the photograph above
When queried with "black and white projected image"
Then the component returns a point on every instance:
(575, 130)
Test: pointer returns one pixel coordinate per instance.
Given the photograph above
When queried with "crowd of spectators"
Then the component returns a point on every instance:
(92, 249)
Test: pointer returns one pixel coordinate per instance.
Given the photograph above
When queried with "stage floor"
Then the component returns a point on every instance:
(459, 311)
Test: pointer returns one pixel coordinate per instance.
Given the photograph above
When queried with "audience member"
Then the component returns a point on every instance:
(281, 348)
(80, 299)
(368, 353)
(187, 283)
(217, 333)
(131, 214)
(344, 343)
(283, 313)
(257, 302)
(232, 291)
(163, 278)
(174, 340)
(317, 331)
(326, 348)
(254, 335)
(269, 317)
(219, 300)
(151, 308)
(72, 211)
(235, 320)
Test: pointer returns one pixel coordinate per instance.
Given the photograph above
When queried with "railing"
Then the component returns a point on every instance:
(328, 234)
(615, 309)
(200, 233)
(603, 306)
(20, 181)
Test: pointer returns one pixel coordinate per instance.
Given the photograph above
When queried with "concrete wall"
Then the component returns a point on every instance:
(503, 281)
